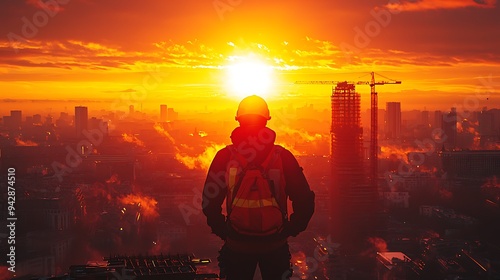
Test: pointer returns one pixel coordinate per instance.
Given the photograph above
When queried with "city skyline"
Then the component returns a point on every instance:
(451, 130)
(111, 115)
(139, 178)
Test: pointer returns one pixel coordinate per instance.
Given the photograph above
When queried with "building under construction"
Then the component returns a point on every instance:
(353, 198)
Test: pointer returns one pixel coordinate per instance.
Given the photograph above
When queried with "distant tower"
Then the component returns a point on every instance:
(172, 115)
(425, 118)
(7, 122)
(486, 127)
(37, 119)
(48, 120)
(352, 199)
(438, 119)
(393, 120)
(131, 110)
(449, 126)
(81, 120)
(163, 113)
(16, 118)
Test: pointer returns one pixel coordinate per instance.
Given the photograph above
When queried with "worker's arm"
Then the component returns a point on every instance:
(214, 193)
(299, 193)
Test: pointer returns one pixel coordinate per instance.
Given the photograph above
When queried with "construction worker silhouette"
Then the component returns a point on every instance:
(256, 178)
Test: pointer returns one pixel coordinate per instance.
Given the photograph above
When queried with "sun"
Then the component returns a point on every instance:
(249, 75)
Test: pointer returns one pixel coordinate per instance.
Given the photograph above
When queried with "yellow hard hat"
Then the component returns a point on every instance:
(253, 105)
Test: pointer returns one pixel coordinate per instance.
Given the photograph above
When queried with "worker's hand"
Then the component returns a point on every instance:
(218, 225)
(286, 232)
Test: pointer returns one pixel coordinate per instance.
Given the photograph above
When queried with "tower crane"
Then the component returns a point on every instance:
(374, 116)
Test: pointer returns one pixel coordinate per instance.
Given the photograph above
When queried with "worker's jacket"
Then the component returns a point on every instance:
(255, 143)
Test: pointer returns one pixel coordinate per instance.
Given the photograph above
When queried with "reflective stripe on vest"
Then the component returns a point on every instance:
(254, 203)
(274, 174)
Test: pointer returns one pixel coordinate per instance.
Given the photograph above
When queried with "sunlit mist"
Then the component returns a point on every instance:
(201, 161)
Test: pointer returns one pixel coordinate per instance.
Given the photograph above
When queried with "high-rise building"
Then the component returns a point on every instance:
(393, 120)
(425, 118)
(488, 130)
(49, 120)
(437, 120)
(29, 120)
(471, 165)
(131, 110)
(81, 119)
(352, 199)
(94, 123)
(449, 126)
(64, 120)
(37, 119)
(172, 115)
(163, 113)
(7, 122)
(16, 118)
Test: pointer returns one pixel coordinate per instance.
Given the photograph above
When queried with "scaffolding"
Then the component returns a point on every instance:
(353, 198)
(346, 134)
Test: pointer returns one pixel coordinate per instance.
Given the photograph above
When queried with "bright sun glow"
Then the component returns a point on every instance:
(247, 76)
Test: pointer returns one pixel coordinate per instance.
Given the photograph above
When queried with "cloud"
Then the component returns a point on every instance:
(190, 53)
(20, 142)
(301, 54)
(201, 161)
(90, 55)
(63, 54)
(424, 5)
(26, 63)
(131, 138)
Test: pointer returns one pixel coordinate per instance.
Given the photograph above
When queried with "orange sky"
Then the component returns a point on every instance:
(447, 53)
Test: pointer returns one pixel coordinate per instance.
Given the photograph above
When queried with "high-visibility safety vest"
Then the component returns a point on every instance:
(256, 201)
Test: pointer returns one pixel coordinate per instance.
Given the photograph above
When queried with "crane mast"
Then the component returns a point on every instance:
(373, 133)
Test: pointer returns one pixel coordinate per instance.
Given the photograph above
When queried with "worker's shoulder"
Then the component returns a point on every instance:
(284, 152)
(224, 152)
(221, 155)
(281, 148)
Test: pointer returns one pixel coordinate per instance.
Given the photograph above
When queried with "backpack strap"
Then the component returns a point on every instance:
(275, 155)
(242, 162)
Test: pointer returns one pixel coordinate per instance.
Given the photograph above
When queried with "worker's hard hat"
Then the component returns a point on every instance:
(253, 105)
